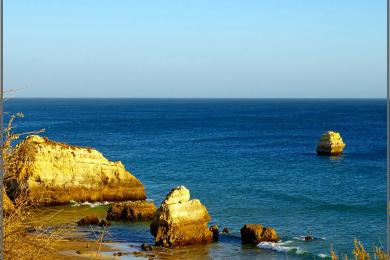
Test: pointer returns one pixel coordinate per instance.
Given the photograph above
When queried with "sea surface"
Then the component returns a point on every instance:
(247, 160)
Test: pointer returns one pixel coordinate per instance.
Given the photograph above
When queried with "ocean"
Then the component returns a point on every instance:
(247, 160)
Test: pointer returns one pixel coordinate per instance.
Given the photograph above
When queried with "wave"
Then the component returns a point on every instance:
(87, 203)
(323, 256)
(277, 246)
(302, 238)
(281, 247)
(95, 204)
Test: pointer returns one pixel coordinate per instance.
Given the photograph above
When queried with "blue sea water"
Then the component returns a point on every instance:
(247, 160)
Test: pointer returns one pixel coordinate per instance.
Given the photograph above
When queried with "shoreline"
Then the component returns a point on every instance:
(67, 215)
(81, 240)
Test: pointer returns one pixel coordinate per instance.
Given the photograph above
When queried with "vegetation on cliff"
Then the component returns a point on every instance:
(53, 173)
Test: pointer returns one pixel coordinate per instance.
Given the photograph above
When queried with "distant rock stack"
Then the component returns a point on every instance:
(181, 221)
(330, 143)
(52, 173)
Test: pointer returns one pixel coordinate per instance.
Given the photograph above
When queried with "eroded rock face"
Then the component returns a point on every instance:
(330, 143)
(256, 233)
(132, 211)
(8, 206)
(181, 221)
(55, 173)
(92, 221)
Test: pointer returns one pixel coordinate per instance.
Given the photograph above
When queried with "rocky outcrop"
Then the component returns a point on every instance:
(132, 211)
(330, 143)
(181, 221)
(308, 238)
(226, 230)
(55, 173)
(256, 233)
(92, 221)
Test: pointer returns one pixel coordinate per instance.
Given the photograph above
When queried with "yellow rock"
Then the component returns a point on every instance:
(256, 233)
(8, 206)
(330, 143)
(181, 221)
(56, 173)
(132, 211)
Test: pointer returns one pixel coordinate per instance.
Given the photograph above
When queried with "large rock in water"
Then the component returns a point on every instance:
(330, 143)
(256, 233)
(132, 211)
(56, 173)
(181, 221)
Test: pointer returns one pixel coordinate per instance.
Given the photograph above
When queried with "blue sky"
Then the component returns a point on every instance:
(195, 48)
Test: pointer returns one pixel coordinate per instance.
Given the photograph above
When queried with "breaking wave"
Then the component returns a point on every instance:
(277, 246)
(302, 238)
(285, 247)
(87, 203)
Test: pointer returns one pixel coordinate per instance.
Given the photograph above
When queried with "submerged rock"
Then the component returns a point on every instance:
(92, 220)
(120, 253)
(214, 229)
(132, 211)
(226, 230)
(53, 173)
(147, 247)
(256, 233)
(181, 221)
(330, 143)
(308, 238)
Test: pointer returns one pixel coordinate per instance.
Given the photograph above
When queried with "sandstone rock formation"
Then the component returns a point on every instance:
(256, 233)
(181, 221)
(330, 143)
(56, 173)
(132, 211)
(92, 221)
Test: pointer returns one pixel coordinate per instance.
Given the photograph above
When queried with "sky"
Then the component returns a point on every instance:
(195, 48)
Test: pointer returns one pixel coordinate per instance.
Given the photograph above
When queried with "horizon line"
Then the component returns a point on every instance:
(249, 98)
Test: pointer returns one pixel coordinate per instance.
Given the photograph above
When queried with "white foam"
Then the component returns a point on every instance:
(299, 251)
(278, 247)
(302, 238)
(323, 255)
(87, 203)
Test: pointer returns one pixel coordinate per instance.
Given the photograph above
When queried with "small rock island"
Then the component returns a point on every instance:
(256, 233)
(330, 143)
(181, 221)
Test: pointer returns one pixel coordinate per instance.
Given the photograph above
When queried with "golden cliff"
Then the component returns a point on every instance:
(8, 206)
(56, 173)
(181, 221)
(330, 143)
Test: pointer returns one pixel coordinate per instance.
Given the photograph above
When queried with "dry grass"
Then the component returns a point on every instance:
(16, 226)
(23, 236)
(360, 253)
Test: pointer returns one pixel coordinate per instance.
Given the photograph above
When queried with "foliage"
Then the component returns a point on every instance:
(360, 253)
